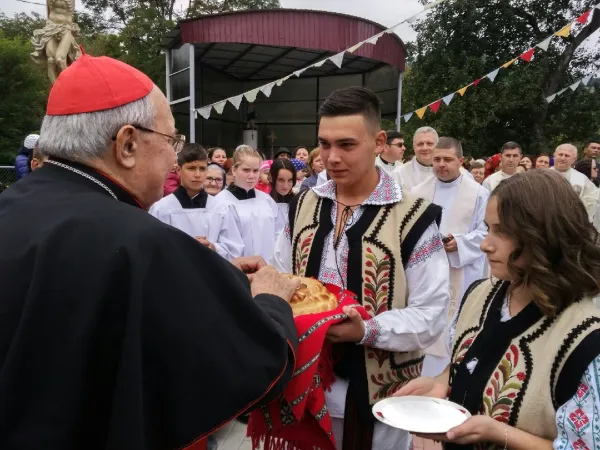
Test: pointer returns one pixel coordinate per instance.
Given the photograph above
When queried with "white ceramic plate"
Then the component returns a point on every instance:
(415, 414)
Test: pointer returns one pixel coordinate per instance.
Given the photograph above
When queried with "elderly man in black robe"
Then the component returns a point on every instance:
(118, 332)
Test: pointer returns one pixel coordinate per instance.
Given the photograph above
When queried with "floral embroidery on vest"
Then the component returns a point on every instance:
(302, 254)
(503, 387)
(394, 380)
(377, 283)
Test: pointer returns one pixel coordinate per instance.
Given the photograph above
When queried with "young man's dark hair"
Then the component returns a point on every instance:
(392, 134)
(190, 153)
(511, 145)
(352, 101)
(592, 140)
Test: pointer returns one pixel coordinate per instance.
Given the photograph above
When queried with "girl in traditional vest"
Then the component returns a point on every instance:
(259, 219)
(525, 344)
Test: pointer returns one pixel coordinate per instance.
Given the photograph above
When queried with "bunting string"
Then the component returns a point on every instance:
(573, 87)
(336, 59)
(526, 56)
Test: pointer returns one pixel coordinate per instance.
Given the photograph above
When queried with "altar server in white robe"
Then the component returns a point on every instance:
(510, 158)
(463, 202)
(564, 158)
(392, 153)
(257, 214)
(192, 210)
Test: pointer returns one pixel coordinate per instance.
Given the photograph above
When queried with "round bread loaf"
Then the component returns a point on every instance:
(312, 297)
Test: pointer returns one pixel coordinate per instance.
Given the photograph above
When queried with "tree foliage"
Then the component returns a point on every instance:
(23, 90)
(462, 40)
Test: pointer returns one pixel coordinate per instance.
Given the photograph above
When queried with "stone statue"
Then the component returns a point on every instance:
(55, 44)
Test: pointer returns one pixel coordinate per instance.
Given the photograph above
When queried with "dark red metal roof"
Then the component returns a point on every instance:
(302, 29)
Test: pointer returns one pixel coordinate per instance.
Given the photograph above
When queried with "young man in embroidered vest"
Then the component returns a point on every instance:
(194, 212)
(526, 347)
(463, 203)
(393, 152)
(361, 232)
(564, 158)
(509, 159)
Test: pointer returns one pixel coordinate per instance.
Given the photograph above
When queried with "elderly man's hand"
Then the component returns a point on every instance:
(269, 281)
(249, 265)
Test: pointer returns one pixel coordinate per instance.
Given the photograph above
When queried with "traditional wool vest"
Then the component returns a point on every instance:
(380, 244)
(524, 369)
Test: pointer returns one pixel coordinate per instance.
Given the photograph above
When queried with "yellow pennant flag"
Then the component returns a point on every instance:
(421, 112)
(564, 32)
(510, 63)
(463, 90)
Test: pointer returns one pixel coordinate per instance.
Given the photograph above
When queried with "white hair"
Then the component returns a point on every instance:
(424, 130)
(80, 137)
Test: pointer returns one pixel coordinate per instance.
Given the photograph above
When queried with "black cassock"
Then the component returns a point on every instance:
(118, 332)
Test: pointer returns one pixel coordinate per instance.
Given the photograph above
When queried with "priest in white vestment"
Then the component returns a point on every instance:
(420, 168)
(463, 203)
(564, 158)
(393, 152)
(510, 158)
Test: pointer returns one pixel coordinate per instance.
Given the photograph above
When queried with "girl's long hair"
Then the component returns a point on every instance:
(280, 164)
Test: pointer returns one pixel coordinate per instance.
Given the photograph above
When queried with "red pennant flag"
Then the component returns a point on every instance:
(477, 81)
(582, 19)
(435, 106)
(528, 55)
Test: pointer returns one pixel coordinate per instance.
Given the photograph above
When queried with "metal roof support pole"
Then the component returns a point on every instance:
(192, 93)
(168, 77)
(399, 109)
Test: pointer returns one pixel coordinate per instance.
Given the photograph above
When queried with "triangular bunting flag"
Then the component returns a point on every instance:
(448, 98)
(407, 117)
(551, 98)
(477, 81)
(300, 72)
(205, 111)
(492, 75)
(391, 30)
(251, 95)
(582, 19)
(338, 59)
(421, 112)
(219, 107)
(282, 80)
(564, 32)
(435, 106)
(528, 55)
(510, 63)
(374, 39)
(561, 92)
(356, 47)
(433, 4)
(545, 44)
(236, 101)
(586, 80)
(575, 85)
(267, 89)
(597, 6)
(320, 63)
(463, 90)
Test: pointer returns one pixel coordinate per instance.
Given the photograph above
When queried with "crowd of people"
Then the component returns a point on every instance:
(148, 295)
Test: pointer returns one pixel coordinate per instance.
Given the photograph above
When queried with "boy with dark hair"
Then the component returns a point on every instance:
(361, 232)
(192, 210)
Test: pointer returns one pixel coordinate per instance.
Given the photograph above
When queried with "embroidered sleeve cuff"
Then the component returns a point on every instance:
(372, 333)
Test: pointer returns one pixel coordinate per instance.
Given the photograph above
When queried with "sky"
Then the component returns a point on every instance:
(385, 12)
